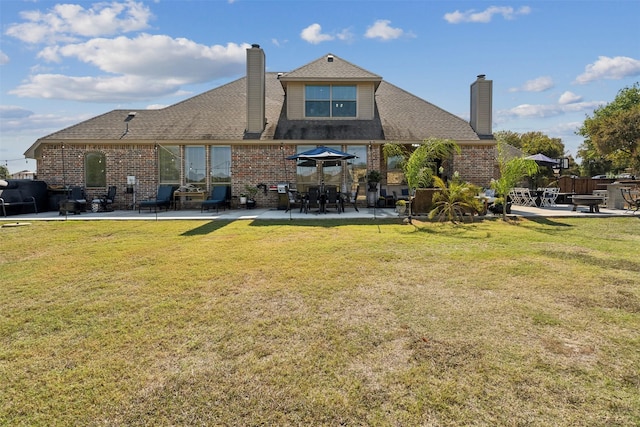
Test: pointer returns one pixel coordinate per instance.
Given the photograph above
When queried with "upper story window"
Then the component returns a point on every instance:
(330, 101)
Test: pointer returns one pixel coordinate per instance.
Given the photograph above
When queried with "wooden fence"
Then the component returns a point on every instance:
(582, 185)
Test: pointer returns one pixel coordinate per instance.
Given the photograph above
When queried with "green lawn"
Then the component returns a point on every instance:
(321, 323)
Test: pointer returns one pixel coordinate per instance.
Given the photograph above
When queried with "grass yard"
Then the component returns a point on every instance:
(532, 323)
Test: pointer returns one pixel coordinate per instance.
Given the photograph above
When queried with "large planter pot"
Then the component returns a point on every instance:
(251, 204)
(498, 209)
(423, 200)
(401, 209)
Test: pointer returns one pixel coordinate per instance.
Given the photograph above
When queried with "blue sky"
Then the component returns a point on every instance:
(551, 62)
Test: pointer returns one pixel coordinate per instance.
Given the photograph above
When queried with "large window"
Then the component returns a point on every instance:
(220, 170)
(195, 171)
(345, 174)
(357, 167)
(169, 159)
(330, 101)
(95, 167)
(395, 175)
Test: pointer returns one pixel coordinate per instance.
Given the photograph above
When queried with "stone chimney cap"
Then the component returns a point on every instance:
(481, 76)
(255, 45)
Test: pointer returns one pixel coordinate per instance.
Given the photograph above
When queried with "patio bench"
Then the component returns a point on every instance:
(14, 197)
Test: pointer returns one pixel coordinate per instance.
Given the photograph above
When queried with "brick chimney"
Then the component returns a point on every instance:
(482, 106)
(255, 89)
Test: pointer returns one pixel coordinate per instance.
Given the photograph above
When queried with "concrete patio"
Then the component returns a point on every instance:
(274, 214)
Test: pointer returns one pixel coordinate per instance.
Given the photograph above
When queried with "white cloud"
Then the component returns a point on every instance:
(615, 68)
(141, 68)
(13, 112)
(486, 15)
(93, 89)
(382, 30)
(345, 35)
(4, 58)
(157, 106)
(539, 84)
(548, 110)
(15, 121)
(313, 34)
(67, 22)
(569, 98)
(179, 60)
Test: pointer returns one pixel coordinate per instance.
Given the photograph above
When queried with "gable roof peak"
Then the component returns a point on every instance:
(330, 67)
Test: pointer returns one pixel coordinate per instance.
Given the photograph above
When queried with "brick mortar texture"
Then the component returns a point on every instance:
(251, 164)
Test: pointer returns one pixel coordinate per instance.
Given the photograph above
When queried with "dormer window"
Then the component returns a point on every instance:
(330, 101)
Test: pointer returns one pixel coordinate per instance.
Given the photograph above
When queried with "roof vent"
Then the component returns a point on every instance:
(329, 58)
(280, 75)
(130, 116)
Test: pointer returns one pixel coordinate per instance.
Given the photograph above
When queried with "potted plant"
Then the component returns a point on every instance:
(373, 178)
(251, 195)
(243, 199)
(419, 167)
(498, 207)
(401, 207)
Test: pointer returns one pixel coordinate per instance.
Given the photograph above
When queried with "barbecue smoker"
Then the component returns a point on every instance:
(283, 197)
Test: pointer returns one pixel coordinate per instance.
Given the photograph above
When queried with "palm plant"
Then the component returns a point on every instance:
(419, 164)
(454, 200)
(512, 171)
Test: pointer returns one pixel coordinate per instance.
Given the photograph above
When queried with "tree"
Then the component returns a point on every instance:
(613, 131)
(533, 143)
(538, 142)
(593, 163)
(508, 137)
(4, 172)
(512, 172)
(420, 163)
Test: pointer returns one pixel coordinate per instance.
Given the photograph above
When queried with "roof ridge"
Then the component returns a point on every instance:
(335, 59)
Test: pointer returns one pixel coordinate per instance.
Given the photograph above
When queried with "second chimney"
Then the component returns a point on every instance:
(255, 89)
(482, 106)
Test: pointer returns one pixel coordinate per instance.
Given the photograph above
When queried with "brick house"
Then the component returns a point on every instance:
(241, 133)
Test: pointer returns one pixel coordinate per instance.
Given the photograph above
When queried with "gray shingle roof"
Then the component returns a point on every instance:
(219, 114)
(334, 68)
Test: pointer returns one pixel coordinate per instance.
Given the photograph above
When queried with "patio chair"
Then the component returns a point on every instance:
(523, 197)
(354, 198)
(218, 197)
(333, 200)
(389, 199)
(631, 200)
(78, 196)
(162, 199)
(514, 195)
(549, 196)
(104, 202)
(313, 199)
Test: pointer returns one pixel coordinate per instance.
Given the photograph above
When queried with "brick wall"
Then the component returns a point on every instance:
(252, 164)
(122, 160)
(476, 163)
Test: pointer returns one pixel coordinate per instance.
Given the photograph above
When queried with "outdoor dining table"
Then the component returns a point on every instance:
(323, 196)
